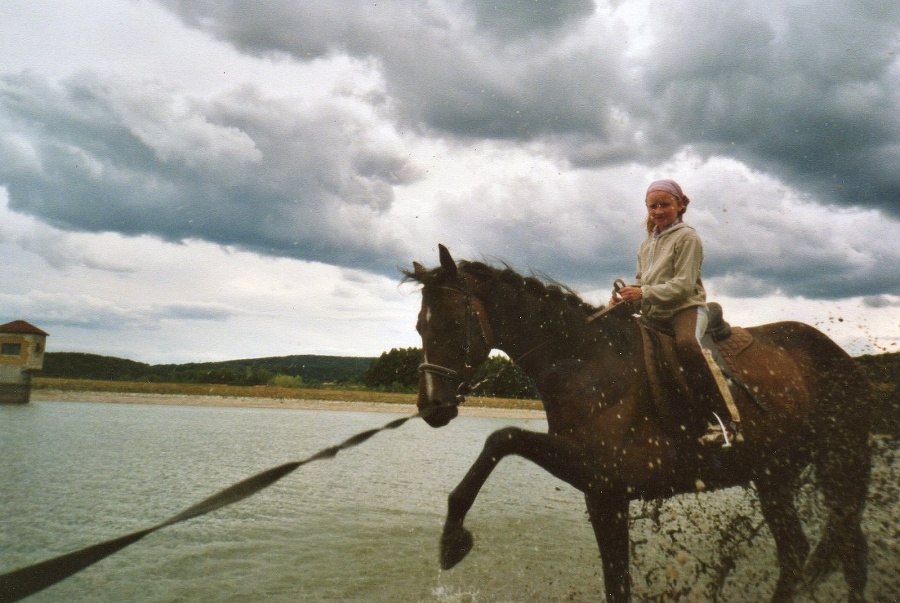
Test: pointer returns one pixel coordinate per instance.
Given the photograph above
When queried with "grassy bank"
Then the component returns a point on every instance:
(259, 391)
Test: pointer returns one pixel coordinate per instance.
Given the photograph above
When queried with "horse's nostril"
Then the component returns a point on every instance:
(438, 416)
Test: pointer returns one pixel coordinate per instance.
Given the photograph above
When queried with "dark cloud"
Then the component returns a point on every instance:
(829, 275)
(310, 30)
(881, 301)
(462, 70)
(522, 17)
(811, 95)
(808, 94)
(99, 154)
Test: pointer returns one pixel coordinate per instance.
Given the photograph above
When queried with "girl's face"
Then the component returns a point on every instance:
(663, 209)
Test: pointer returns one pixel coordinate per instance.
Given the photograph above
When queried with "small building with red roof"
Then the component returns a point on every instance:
(22, 347)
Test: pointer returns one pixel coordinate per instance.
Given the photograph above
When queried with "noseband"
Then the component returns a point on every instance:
(476, 307)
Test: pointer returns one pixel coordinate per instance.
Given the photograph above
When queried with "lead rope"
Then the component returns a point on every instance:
(26, 581)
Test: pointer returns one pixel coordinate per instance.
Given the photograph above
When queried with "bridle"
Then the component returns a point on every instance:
(474, 306)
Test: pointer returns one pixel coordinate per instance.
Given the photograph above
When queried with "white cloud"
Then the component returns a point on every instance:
(194, 301)
(850, 321)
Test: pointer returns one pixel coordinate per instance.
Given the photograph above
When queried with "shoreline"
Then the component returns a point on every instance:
(54, 395)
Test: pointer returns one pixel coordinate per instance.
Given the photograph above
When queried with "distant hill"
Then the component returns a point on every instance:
(75, 365)
(311, 368)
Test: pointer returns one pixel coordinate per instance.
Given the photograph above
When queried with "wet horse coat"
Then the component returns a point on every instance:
(605, 438)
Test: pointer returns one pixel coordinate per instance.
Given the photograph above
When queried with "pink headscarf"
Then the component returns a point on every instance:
(671, 187)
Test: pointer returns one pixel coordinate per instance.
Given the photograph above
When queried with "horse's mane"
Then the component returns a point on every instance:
(544, 304)
(550, 293)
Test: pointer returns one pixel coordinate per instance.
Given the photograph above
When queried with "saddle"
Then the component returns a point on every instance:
(667, 382)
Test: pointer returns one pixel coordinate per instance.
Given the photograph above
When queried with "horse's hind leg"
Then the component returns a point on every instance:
(843, 474)
(776, 497)
(843, 467)
(549, 452)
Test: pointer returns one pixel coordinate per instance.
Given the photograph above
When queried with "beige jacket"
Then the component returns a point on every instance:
(668, 272)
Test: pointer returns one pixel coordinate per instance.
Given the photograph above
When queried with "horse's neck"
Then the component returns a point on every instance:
(536, 336)
(523, 343)
(560, 358)
(518, 332)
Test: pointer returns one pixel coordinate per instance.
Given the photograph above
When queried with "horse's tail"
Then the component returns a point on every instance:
(842, 459)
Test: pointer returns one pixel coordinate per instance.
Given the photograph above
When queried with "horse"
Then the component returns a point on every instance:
(806, 402)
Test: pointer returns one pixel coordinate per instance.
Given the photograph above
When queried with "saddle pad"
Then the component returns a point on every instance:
(739, 341)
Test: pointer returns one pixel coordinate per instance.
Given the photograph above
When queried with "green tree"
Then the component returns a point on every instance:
(397, 370)
(499, 377)
(280, 380)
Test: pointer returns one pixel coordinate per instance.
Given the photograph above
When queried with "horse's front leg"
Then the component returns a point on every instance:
(609, 518)
(565, 461)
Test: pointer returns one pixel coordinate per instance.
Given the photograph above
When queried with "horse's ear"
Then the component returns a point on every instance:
(447, 262)
(418, 269)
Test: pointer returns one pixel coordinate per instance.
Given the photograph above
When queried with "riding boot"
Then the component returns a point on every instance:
(721, 428)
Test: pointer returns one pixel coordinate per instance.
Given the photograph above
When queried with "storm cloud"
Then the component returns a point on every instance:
(358, 136)
(810, 95)
(96, 154)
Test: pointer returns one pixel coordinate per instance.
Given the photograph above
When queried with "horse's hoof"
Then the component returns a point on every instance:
(456, 542)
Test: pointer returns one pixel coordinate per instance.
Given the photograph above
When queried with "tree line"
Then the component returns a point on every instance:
(288, 370)
(393, 371)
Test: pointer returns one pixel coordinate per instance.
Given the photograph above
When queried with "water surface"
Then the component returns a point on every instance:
(361, 527)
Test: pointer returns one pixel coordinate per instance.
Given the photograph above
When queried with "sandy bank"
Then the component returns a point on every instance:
(49, 395)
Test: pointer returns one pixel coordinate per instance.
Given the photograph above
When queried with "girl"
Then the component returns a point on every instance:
(670, 291)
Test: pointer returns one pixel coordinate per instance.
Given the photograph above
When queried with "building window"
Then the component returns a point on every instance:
(10, 349)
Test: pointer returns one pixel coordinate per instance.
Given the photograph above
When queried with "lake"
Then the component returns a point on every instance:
(363, 526)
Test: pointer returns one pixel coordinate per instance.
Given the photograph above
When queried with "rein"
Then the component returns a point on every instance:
(26, 581)
(616, 298)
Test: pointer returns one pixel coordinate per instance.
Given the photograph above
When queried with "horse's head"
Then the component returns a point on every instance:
(456, 338)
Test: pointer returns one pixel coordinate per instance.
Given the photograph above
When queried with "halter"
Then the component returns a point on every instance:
(473, 306)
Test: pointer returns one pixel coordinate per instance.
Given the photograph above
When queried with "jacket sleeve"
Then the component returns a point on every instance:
(639, 269)
(687, 257)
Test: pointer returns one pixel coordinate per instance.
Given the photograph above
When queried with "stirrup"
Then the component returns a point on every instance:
(720, 435)
(737, 437)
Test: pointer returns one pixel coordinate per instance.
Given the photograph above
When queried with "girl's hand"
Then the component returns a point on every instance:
(631, 293)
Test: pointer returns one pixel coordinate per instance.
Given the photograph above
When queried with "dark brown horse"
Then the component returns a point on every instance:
(605, 437)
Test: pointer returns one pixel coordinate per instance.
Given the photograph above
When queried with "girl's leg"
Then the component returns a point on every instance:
(689, 325)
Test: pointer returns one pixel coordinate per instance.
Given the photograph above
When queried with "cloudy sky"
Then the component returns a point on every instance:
(183, 180)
